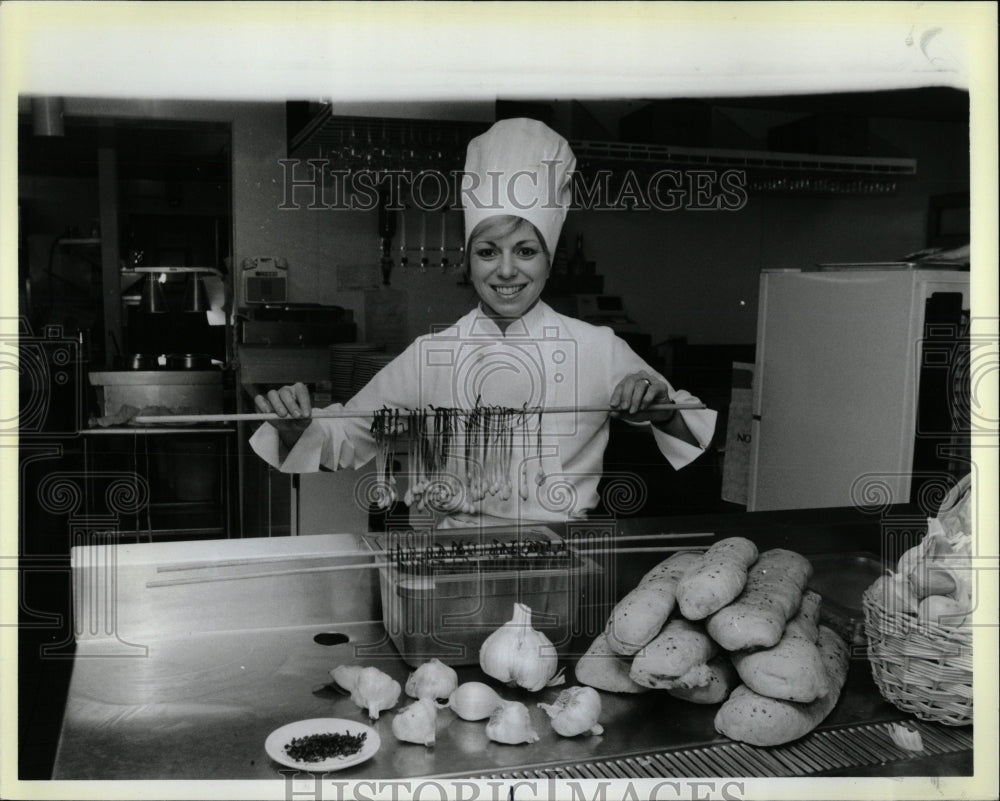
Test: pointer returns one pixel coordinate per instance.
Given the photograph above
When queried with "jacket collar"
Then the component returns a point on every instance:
(528, 325)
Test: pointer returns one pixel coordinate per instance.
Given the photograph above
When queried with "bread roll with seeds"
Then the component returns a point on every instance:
(773, 593)
(640, 615)
(717, 580)
(675, 657)
(793, 669)
(602, 669)
(756, 719)
(722, 680)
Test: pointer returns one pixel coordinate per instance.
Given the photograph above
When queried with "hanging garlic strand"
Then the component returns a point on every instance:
(472, 446)
(523, 473)
(540, 476)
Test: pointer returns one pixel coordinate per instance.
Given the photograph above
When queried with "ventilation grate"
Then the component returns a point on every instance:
(832, 749)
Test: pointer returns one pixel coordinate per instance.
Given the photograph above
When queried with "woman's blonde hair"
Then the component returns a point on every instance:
(498, 227)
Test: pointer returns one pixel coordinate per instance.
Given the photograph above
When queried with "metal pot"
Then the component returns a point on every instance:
(189, 361)
(136, 361)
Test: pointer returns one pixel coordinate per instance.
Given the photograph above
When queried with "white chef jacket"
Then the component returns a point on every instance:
(544, 359)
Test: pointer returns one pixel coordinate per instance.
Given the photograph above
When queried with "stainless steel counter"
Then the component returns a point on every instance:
(201, 707)
(178, 694)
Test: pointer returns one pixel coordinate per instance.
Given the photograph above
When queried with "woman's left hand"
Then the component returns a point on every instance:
(637, 392)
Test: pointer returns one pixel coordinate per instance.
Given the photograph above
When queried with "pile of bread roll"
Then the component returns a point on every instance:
(727, 626)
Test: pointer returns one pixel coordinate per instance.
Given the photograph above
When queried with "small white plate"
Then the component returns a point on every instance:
(279, 738)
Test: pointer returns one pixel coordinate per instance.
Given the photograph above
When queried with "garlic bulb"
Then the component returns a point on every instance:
(519, 655)
(909, 559)
(370, 688)
(941, 610)
(927, 578)
(432, 680)
(473, 701)
(894, 592)
(510, 724)
(575, 711)
(417, 723)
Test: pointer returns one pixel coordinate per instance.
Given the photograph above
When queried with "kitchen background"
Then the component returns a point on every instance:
(682, 274)
(201, 184)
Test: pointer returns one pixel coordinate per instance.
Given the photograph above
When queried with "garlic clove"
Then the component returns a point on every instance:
(894, 593)
(433, 679)
(474, 700)
(346, 676)
(575, 711)
(909, 559)
(928, 578)
(943, 611)
(510, 724)
(375, 691)
(416, 723)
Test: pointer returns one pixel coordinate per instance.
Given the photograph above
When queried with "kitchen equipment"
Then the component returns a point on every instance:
(152, 301)
(189, 361)
(443, 593)
(136, 361)
(265, 280)
(195, 294)
(302, 324)
(172, 389)
(857, 385)
(162, 319)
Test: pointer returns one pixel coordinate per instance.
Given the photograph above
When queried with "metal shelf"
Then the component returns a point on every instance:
(437, 143)
(744, 159)
(165, 269)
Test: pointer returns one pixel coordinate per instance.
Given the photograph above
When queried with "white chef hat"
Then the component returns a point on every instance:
(520, 167)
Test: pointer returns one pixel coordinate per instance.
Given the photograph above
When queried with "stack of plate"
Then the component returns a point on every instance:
(366, 367)
(342, 356)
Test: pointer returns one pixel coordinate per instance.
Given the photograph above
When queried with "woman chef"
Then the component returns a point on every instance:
(512, 350)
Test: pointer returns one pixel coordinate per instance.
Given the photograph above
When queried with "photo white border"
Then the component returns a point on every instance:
(369, 52)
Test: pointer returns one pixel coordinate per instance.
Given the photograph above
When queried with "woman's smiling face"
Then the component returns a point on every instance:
(508, 266)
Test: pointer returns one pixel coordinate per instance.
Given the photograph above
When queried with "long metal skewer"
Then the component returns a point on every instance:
(256, 560)
(367, 414)
(203, 579)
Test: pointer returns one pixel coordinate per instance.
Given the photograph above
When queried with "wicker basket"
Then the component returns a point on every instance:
(920, 667)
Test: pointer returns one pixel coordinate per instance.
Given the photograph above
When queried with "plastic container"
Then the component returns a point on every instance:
(438, 605)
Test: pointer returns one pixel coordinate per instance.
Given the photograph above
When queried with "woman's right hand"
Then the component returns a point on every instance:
(293, 405)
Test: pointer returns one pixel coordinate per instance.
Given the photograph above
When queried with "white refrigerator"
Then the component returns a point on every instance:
(841, 355)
